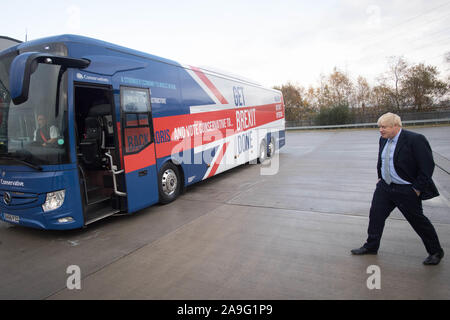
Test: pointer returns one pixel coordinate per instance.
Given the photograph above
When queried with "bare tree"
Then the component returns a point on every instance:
(362, 93)
(447, 59)
(396, 73)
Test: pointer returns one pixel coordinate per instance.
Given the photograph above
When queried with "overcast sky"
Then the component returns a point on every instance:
(270, 41)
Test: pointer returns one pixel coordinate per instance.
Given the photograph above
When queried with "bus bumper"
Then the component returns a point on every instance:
(57, 220)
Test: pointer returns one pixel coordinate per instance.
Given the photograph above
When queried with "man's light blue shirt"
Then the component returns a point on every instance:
(394, 176)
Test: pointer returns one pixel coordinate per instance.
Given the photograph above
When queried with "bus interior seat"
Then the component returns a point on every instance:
(100, 110)
(91, 143)
(97, 135)
(103, 112)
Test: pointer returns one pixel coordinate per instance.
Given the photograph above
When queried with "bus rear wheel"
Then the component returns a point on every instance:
(169, 183)
(271, 150)
(262, 152)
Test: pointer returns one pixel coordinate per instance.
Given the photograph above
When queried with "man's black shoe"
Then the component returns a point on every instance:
(362, 251)
(434, 259)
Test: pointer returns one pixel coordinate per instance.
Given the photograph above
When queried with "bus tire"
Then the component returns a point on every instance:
(262, 152)
(271, 150)
(169, 183)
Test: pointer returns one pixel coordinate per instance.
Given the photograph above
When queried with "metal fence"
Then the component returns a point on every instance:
(372, 124)
(369, 120)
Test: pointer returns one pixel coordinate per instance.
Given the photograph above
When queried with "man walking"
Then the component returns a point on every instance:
(405, 166)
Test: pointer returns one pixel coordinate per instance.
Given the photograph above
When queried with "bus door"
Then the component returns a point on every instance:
(138, 143)
(96, 150)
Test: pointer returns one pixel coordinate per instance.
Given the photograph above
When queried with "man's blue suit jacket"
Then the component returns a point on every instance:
(413, 162)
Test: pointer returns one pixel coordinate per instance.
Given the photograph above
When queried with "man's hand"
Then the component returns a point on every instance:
(417, 192)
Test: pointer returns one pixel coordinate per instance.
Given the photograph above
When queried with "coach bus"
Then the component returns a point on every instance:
(89, 129)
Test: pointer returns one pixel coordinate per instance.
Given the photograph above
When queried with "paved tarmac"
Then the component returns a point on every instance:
(245, 235)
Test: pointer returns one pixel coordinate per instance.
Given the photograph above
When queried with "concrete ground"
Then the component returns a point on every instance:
(247, 235)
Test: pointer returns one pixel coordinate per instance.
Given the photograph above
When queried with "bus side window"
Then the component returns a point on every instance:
(136, 114)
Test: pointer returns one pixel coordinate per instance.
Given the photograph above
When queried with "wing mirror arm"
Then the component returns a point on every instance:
(25, 64)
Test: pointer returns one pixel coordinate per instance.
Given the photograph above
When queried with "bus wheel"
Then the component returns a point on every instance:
(271, 151)
(169, 183)
(262, 152)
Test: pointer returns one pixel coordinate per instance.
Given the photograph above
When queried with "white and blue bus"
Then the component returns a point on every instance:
(89, 129)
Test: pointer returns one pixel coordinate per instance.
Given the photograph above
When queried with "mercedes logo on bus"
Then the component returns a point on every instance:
(7, 198)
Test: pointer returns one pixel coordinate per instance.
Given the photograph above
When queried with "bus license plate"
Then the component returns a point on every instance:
(12, 218)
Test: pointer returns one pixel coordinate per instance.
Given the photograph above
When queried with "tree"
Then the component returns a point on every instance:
(421, 85)
(321, 94)
(310, 99)
(293, 101)
(291, 95)
(447, 59)
(334, 90)
(382, 97)
(340, 88)
(362, 93)
(396, 73)
(333, 98)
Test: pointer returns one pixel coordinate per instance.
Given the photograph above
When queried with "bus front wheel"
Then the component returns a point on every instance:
(169, 183)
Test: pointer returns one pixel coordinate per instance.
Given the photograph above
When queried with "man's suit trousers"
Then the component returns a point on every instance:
(385, 199)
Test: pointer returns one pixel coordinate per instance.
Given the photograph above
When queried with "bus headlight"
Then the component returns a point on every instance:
(54, 200)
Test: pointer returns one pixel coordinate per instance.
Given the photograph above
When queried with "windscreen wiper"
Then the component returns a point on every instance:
(27, 163)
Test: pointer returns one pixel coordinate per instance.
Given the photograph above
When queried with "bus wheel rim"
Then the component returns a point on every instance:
(169, 182)
(271, 148)
(263, 152)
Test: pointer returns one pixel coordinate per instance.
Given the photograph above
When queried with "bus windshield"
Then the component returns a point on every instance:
(34, 132)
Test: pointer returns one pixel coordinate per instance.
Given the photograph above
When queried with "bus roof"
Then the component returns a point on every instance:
(70, 38)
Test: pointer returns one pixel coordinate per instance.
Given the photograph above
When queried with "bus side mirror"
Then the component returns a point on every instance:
(25, 64)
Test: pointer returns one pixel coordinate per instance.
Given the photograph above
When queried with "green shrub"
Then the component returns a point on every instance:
(335, 115)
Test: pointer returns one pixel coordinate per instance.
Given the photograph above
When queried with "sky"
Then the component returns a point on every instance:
(270, 41)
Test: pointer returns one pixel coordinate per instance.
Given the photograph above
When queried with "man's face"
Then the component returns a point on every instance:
(41, 121)
(388, 131)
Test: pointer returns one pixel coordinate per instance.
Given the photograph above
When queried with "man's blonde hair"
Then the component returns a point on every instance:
(389, 119)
